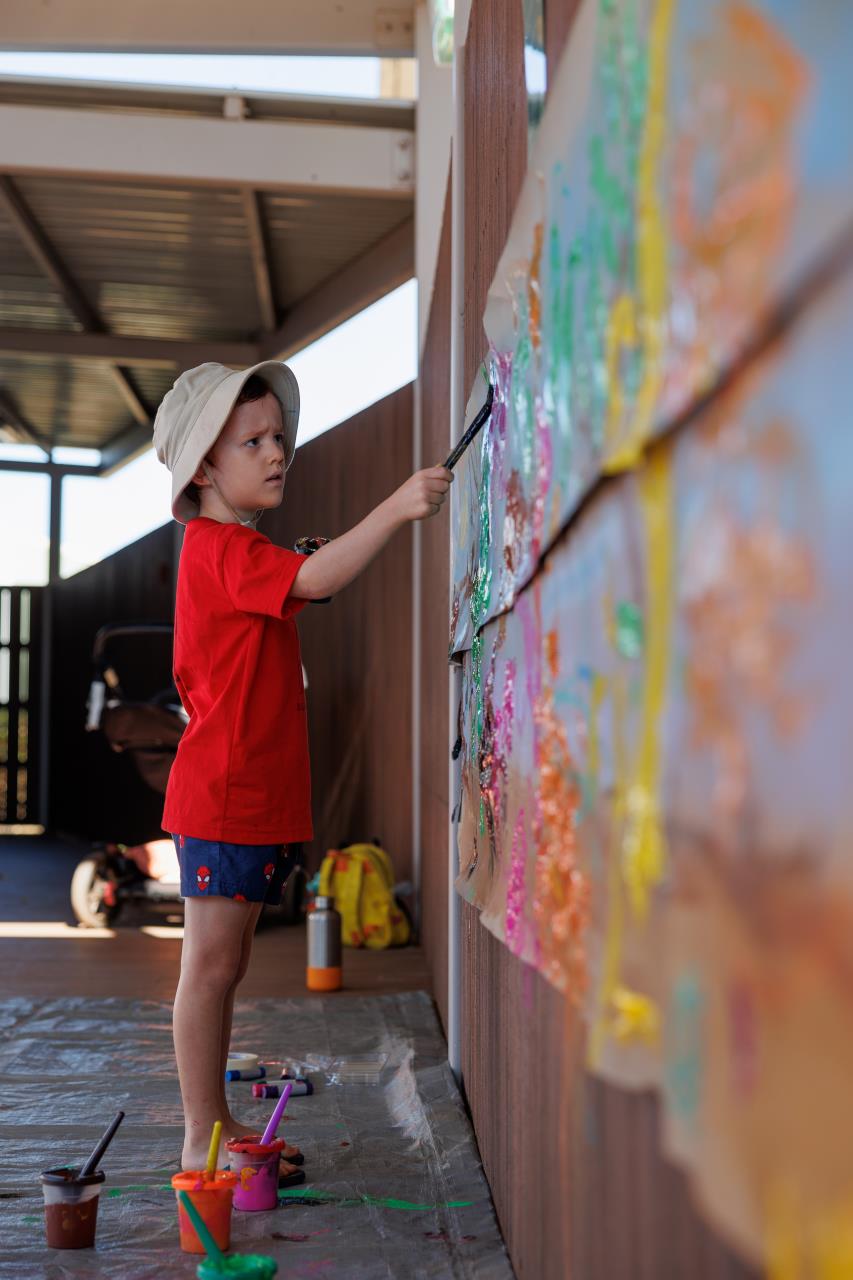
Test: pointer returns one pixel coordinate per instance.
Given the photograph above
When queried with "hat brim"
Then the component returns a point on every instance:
(208, 426)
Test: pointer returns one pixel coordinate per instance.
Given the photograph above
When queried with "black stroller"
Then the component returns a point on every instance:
(150, 731)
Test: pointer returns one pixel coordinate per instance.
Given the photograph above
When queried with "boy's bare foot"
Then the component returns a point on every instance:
(194, 1157)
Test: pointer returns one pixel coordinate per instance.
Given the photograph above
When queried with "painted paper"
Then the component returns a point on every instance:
(692, 167)
(656, 811)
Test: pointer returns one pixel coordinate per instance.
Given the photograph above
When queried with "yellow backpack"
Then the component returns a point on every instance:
(360, 878)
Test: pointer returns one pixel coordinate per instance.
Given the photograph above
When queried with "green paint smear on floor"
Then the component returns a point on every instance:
(315, 1196)
(137, 1186)
(382, 1202)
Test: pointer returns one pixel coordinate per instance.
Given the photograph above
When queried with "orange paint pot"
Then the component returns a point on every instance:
(213, 1197)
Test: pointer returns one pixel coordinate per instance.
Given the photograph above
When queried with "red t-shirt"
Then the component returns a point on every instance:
(241, 773)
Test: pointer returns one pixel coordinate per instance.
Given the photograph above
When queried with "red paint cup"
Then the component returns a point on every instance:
(213, 1198)
(256, 1166)
(71, 1208)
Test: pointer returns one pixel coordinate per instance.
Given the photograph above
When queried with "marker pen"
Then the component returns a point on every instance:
(258, 1074)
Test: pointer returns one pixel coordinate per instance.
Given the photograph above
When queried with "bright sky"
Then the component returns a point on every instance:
(363, 360)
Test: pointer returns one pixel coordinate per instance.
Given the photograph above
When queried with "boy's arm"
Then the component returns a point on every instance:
(334, 566)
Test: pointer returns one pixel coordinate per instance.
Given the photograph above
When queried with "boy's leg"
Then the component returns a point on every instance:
(211, 956)
(232, 1128)
(253, 912)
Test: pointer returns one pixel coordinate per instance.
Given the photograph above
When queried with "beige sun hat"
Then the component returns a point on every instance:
(191, 417)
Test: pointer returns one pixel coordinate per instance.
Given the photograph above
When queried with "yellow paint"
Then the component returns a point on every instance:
(612, 958)
(643, 846)
(804, 1244)
(634, 1016)
(645, 322)
(621, 333)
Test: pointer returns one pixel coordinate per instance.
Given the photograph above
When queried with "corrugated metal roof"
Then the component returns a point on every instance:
(161, 260)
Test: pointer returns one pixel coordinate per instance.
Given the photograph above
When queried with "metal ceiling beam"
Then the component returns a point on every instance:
(11, 417)
(44, 254)
(259, 246)
(388, 264)
(108, 348)
(326, 27)
(263, 154)
(51, 263)
(127, 390)
(49, 468)
(124, 447)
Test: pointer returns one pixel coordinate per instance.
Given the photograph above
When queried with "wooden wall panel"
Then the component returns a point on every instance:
(559, 16)
(357, 650)
(495, 153)
(435, 588)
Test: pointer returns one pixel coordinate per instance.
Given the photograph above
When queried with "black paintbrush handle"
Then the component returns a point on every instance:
(472, 431)
(95, 1158)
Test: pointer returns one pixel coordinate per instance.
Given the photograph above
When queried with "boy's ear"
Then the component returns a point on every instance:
(200, 478)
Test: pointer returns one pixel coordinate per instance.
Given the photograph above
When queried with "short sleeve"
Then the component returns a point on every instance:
(258, 576)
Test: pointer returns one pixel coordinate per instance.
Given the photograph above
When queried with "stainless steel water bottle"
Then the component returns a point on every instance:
(324, 946)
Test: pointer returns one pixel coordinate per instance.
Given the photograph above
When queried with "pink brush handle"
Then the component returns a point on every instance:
(275, 1118)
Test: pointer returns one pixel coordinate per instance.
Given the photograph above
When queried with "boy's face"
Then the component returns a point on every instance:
(248, 458)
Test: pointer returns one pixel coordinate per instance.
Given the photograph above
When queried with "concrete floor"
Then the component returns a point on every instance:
(395, 1186)
(39, 939)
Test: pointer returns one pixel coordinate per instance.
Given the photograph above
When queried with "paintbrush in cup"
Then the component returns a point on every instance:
(213, 1152)
(275, 1118)
(200, 1227)
(95, 1158)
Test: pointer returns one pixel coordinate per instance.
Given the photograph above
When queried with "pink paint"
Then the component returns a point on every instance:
(544, 471)
(516, 892)
(256, 1166)
(744, 1039)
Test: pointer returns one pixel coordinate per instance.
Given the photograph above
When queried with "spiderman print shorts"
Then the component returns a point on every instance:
(245, 872)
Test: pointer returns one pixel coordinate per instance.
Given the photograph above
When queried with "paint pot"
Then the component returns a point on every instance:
(213, 1198)
(256, 1166)
(71, 1207)
(246, 1266)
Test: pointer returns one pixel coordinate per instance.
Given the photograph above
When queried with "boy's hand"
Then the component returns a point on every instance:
(423, 494)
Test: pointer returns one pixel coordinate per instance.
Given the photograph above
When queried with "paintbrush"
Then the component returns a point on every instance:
(475, 427)
(95, 1158)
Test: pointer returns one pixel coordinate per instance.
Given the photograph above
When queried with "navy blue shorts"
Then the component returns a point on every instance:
(244, 872)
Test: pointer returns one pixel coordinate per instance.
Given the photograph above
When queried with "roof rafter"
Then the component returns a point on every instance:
(290, 155)
(11, 417)
(325, 27)
(47, 258)
(112, 348)
(389, 263)
(259, 245)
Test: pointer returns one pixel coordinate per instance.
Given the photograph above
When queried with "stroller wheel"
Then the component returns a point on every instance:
(88, 896)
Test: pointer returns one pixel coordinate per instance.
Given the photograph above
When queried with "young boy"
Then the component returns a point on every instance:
(239, 789)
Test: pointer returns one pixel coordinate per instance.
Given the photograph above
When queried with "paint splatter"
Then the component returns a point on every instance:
(561, 896)
(516, 895)
(308, 1195)
(685, 1070)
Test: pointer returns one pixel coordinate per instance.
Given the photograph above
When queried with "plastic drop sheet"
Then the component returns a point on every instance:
(394, 1186)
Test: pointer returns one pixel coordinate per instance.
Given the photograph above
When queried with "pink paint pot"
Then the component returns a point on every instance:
(256, 1165)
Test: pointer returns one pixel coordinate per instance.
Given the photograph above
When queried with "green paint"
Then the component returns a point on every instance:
(316, 1196)
(630, 632)
(136, 1186)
